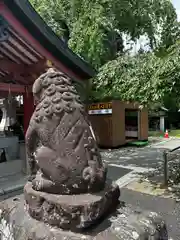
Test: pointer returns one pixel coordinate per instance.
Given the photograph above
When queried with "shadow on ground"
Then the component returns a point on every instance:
(156, 177)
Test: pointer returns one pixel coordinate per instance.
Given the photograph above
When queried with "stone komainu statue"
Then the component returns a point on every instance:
(68, 187)
(61, 149)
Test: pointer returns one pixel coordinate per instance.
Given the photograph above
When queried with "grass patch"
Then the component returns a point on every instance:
(175, 133)
(172, 133)
(156, 134)
(138, 143)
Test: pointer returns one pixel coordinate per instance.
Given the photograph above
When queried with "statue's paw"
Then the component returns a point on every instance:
(41, 184)
(37, 185)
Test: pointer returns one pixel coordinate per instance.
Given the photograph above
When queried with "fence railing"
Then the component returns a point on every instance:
(165, 156)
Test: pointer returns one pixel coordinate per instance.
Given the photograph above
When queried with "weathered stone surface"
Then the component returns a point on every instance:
(67, 186)
(124, 224)
(61, 148)
(64, 159)
(71, 212)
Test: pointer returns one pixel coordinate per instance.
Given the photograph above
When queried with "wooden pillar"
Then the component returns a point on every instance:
(28, 103)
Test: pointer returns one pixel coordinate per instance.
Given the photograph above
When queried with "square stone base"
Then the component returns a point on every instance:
(124, 224)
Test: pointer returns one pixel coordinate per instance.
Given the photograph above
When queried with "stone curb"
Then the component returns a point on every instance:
(11, 189)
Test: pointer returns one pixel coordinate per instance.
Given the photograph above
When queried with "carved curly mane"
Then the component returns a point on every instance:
(56, 95)
(61, 149)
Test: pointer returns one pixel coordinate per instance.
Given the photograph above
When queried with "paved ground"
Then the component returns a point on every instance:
(147, 157)
(127, 162)
(167, 208)
(11, 177)
(140, 160)
(168, 144)
(124, 166)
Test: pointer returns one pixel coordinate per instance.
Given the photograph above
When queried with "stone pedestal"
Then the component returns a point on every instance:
(124, 224)
(64, 159)
(71, 212)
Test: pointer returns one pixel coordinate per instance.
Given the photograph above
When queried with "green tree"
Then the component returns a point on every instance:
(94, 29)
(146, 78)
(168, 77)
(127, 78)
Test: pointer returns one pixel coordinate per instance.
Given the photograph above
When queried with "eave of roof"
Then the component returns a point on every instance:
(30, 19)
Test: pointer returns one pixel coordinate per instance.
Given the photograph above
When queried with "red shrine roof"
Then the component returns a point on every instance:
(26, 43)
(17, 57)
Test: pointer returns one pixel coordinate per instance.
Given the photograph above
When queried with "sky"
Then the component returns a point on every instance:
(176, 4)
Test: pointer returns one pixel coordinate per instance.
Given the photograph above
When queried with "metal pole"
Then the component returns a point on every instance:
(165, 169)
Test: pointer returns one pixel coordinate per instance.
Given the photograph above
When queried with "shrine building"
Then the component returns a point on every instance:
(26, 43)
(27, 46)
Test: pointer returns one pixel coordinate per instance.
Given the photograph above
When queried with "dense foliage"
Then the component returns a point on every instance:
(95, 29)
(146, 78)
(127, 78)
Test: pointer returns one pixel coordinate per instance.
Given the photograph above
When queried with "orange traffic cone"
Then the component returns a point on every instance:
(166, 135)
